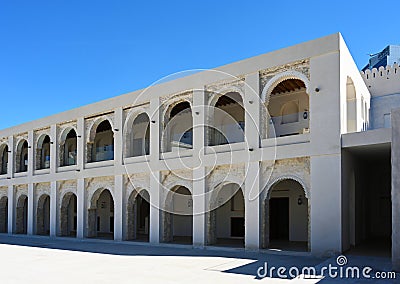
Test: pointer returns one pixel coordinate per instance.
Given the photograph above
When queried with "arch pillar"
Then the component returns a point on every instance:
(155, 188)
(53, 150)
(10, 167)
(31, 213)
(92, 223)
(199, 207)
(30, 157)
(11, 202)
(251, 205)
(53, 208)
(80, 206)
(80, 143)
(118, 207)
(118, 136)
(252, 111)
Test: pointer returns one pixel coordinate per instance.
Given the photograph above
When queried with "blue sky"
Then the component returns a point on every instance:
(58, 55)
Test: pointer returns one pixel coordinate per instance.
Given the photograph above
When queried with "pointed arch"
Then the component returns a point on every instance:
(4, 159)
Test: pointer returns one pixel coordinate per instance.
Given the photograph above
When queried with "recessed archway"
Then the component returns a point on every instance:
(286, 217)
(177, 218)
(228, 120)
(101, 148)
(43, 153)
(138, 219)
(43, 215)
(68, 149)
(21, 157)
(288, 109)
(21, 220)
(351, 105)
(4, 214)
(178, 131)
(68, 216)
(138, 142)
(226, 225)
(101, 215)
(4, 159)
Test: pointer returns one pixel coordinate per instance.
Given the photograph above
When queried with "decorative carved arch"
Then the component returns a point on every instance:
(295, 178)
(40, 140)
(132, 115)
(3, 146)
(64, 133)
(213, 198)
(279, 78)
(93, 127)
(172, 187)
(172, 102)
(135, 193)
(222, 92)
(95, 197)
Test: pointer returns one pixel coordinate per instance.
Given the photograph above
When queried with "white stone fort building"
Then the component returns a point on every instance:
(288, 150)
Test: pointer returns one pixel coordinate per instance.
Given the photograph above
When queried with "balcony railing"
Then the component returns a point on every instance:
(141, 147)
(46, 163)
(287, 125)
(70, 160)
(227, 134)
(182, 140)
(104, 153)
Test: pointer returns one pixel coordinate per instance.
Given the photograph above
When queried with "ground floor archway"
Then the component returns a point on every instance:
(21, 220)
(138, 221)
(43, 215)
(285, 217)
(177, 221)
(68, 216)
(4, 214)
(226, 226)
(101, 215)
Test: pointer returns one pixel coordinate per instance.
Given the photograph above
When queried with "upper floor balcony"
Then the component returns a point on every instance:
(283, 110)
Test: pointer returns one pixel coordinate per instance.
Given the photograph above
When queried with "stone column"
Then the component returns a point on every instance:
(265, 222)
(154, 131)
(118, 207)
(81, 145)
(118, 137)
(199, 207)
(53, 149)
(155, 207)
(395, 116)
(53, 208)
(198, 112)
(155, 185)
(81, 209)
(31, 151)
(251, 102)
(11, 156)
(31, 209)
(11, 202)
(199, 181)
(252, 206)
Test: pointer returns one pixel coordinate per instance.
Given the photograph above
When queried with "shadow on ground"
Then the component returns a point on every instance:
(259, 263)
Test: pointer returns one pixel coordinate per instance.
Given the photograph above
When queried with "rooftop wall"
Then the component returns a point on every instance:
(382, 81)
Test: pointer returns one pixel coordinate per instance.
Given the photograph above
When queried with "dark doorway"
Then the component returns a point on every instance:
(370, 203)
(237, 227)
(143, 217)
(279, 218)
